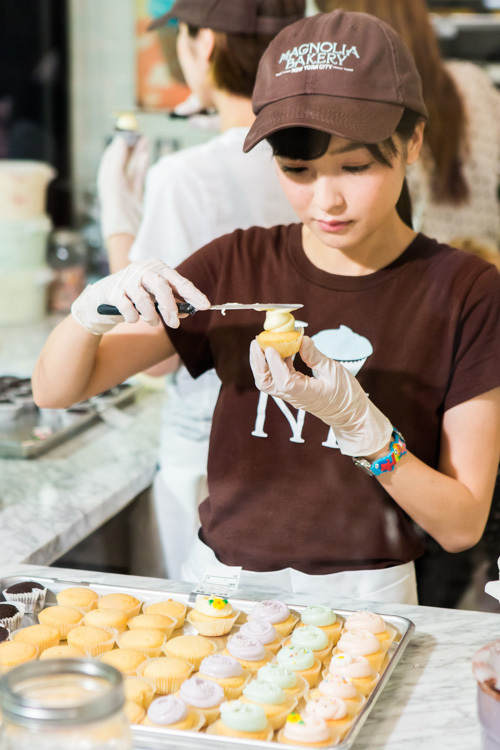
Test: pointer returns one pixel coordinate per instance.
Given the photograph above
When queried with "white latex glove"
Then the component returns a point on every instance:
(120, 186)
(334, 396)
(133, 290)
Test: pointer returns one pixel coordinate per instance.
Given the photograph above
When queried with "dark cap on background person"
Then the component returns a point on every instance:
(233, 16)
(348, 74)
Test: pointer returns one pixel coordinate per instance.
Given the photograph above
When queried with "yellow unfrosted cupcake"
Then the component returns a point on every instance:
(156, 621)
(204, 695)
(191, 648)
(146, 640)
(138, 690)
(227, 672)
(134, 712)
(277, 613)
(171, 712)
(166, 672)
(62, 652)
(13, 653)
(276, 704)
(280, 333)
(62, 618)
(106, 618)
(92, 641)
(169, 607)
(126, 660)
(244, 720)
(212, 616)
(127, 603)
(41, 636)
(82, 598)
(323, 618)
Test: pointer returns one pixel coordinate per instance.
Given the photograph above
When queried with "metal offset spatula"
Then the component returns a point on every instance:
(185, 307)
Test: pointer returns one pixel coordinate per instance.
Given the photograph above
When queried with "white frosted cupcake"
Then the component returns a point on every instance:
(361, 642)
(355, 668)
(212, 616)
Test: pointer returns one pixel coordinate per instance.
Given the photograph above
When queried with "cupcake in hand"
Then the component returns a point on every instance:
(280, 333)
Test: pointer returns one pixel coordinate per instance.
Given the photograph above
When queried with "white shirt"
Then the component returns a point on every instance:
(480, 217)
(192, 197)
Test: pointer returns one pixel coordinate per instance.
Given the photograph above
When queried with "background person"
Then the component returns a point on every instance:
(192, 197)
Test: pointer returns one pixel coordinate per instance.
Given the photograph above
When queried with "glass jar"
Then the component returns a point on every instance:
(63, 704)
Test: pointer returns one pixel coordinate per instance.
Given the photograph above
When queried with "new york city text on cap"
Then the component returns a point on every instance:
(231, 16)
(349, 74)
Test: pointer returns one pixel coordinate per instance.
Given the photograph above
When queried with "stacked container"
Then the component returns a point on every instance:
(24, 231)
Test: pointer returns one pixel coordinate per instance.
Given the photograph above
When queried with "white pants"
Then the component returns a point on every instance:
(390, 585)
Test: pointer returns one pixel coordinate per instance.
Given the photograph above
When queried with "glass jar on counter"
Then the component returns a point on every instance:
(63, 704)
(67, 255)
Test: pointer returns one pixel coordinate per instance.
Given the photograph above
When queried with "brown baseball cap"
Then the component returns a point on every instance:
(346, 73)
(231, 16)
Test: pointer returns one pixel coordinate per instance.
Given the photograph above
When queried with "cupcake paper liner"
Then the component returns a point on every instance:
(161, 600)
(14, 622)
(164, 684)
(219, 625)
(32, 600)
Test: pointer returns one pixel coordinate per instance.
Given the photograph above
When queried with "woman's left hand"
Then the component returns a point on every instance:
(334, 396)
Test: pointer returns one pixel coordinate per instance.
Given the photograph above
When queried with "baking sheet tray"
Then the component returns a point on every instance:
(149, 738)
(17, 439)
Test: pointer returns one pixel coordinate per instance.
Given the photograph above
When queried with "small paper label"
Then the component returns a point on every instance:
(220, 580)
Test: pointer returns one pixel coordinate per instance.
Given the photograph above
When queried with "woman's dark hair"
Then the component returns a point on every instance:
(446, 138)
(235, 57)
(306, 144)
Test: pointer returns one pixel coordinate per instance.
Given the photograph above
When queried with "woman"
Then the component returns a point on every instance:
(454, 185)
(339, 97)
(192, 197)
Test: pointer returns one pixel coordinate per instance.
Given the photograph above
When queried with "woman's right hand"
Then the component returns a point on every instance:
(134, 291)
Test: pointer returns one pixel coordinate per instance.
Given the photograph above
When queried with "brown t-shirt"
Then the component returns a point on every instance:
(423, 334)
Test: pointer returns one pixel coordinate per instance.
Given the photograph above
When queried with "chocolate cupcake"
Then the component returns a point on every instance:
(4, 634)
(11, 615)
(29, 593)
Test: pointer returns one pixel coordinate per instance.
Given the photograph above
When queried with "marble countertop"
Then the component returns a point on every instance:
(429, 702)
(50, 503)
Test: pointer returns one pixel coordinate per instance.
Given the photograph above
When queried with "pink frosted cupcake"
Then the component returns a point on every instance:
(355, 668)
(333, 711)
(375, 624)
(251, 654)
(339, 687)
(307, 731)
(227, 672)
(277, 613)
(264, 632)
(361, 642)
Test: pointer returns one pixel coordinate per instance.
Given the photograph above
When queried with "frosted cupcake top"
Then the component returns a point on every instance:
(359, 642)
(306, 729)
(201, 693)
(243, 717)
(349, 665)
(248, 649)
(367, 620)
(309, 637)
(168, 709)
(213, 606)
(296, 658)
(262, 630)
(271, 610)
(278, 675)
(337, 687)
(220, 666)
(278, 320)
(318, 615)
(264, 692)
(329, 709)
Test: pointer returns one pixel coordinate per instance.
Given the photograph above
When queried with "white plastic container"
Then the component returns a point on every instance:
(23, 243)
(23, 188)
(23, 296)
